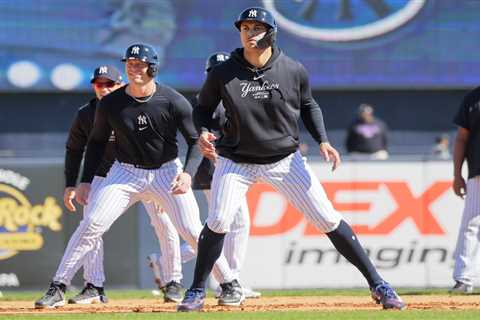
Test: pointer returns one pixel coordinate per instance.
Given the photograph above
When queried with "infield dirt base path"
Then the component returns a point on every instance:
(416, 302)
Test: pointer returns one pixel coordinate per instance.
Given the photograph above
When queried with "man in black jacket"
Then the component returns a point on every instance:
(264, 92)
(105, 80)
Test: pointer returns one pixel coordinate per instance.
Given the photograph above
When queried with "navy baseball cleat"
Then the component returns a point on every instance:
(193, 301)
(386, 295)
(54, 297)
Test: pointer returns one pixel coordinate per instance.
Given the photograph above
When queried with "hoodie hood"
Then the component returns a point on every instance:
(237, 56)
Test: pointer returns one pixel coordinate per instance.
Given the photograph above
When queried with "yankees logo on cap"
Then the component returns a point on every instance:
(106, 71)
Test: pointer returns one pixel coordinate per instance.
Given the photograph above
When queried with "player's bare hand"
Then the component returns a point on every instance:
(330, 154)
(68, 196)
(181, 183)
(82, 192)
(206, 146)
(459, 186)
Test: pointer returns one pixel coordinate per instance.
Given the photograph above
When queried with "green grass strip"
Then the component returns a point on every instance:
(300, 315)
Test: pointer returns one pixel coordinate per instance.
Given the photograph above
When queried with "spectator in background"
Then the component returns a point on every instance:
(441, 148)
(367, 135)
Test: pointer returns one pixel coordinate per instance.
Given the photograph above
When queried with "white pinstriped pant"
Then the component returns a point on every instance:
(467, 252)
(234, 247)
(93, 271)
(123, 186)
(169, 242)
(291, 176)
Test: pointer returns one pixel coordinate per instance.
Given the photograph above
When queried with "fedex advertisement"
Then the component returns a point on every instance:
(404, 213)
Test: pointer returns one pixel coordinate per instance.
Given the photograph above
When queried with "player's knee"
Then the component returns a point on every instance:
(240, 223)
(328, 225)
(93, 226)
(218, 225)
(191, 234)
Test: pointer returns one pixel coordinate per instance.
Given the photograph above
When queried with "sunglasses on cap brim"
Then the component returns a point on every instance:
(106, 84)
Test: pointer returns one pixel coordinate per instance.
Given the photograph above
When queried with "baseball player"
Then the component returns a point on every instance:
(235, 246)
(145, 117)
(467, 147)
(264, 92)
(105, 79)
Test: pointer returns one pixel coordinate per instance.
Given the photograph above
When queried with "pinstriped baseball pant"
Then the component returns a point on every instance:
(291, 176)
(93, 263)
(170, 258)
(123, 186)
(234, 247)
(467, 252)
(93, 270)
(236, 241)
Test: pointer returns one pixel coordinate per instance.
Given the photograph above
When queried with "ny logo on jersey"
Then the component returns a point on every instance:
(142, 120)
(103, 70)
(135, 50)
(252, 13)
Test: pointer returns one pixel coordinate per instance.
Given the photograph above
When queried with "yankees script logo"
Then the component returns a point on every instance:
(247, 88)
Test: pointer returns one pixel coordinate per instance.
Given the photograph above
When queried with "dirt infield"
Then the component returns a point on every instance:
(417, 302)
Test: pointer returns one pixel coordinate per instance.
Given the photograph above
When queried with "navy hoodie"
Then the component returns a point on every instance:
(262, 107)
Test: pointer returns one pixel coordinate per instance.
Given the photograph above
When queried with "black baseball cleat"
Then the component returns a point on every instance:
(54, 297)
(384, 294)
(232, 294)
(172, 292)
(89, 295)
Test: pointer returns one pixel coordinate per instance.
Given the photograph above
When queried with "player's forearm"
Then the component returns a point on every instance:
(93, 157)
(203, 118)
(458, 156)
(73, 159)
(193, 159)
(208, 100)
(312, 117)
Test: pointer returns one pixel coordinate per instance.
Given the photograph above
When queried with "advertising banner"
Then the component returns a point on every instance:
(31, 224)
(404, 213)
(35, 228)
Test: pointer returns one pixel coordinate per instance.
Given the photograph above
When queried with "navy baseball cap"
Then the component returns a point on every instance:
(107, 71)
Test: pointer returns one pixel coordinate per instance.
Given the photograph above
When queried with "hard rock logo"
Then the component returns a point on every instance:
(21, 222)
